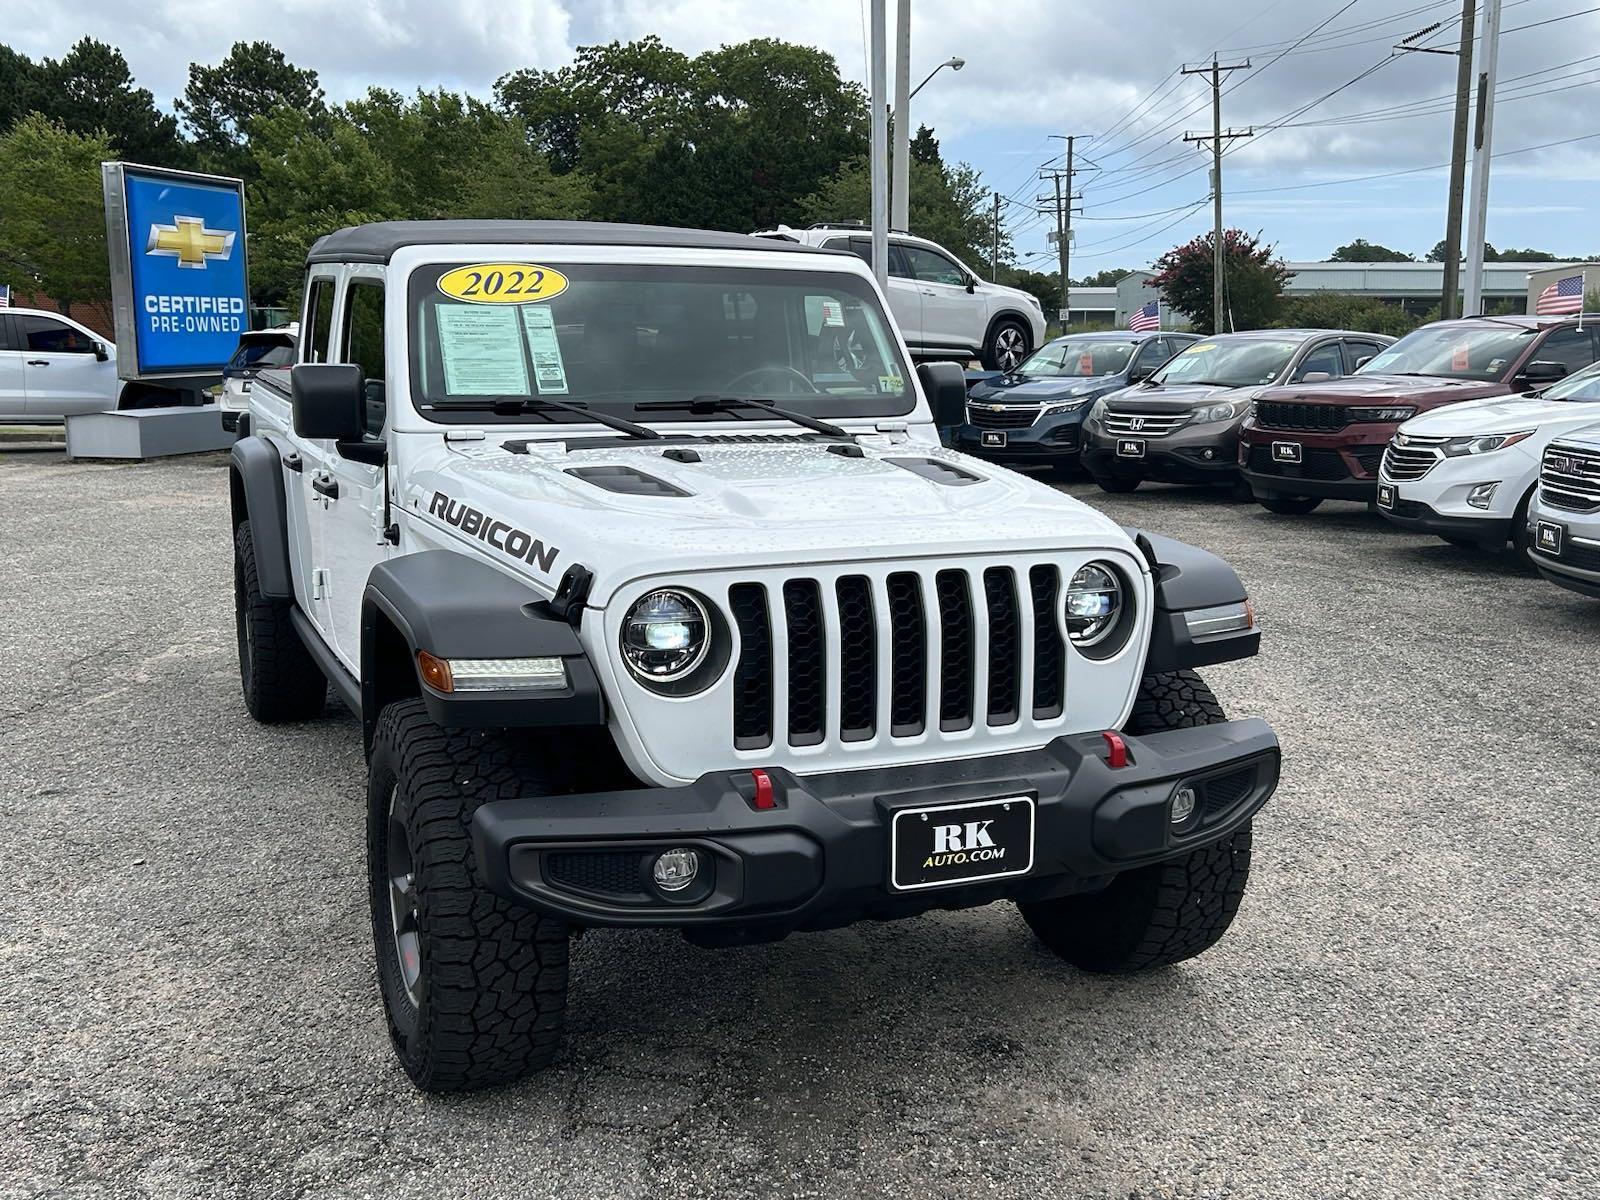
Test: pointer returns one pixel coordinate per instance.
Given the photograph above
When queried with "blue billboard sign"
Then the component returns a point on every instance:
(179, 288)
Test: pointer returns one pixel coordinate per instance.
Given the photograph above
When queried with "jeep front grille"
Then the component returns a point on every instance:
(1279, 414)
(1413, 460)
(1569, 478)
(1154, 425)
(918, 634)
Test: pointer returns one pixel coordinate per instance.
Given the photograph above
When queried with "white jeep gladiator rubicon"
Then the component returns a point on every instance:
(656, 614)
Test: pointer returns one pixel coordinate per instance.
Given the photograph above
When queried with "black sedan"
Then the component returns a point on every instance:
(1034, 413)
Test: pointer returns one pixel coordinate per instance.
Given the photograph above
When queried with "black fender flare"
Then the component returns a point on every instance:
(257, 496)
(1188, 579)
(454, 606)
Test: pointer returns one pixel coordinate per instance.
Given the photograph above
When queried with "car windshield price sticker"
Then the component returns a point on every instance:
(1461, 357)
(549, 372)
(481, 351)
(502, 283)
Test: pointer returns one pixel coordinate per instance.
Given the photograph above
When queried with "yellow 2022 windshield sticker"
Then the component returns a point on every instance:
(502, 283)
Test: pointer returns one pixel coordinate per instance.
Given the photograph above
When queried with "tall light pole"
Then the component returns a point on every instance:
(901, 218)
(879, 85)
(1478, 210)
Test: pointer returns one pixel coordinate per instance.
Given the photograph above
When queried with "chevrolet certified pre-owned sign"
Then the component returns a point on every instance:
(177, 244)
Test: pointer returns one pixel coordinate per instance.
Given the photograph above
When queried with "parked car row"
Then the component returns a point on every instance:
(1483, 431)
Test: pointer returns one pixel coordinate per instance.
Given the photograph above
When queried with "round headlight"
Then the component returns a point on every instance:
(1094, 602)
(665, 636)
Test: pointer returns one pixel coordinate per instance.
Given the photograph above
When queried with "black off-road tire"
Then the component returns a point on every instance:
(280, 679)
(1289, 506)
(1164, 913)
(488, 999)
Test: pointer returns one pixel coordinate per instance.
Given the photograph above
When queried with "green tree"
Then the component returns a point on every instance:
(1336, 310)
(221, 101)
(1046, 287)
(1363, 251)
(52, 222)
(1490, 254)
(1110, 277)
(925, 147)
(90, 89)
(20, 79)
(1253, 280)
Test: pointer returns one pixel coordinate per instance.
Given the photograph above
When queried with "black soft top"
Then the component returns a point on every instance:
(378, 241)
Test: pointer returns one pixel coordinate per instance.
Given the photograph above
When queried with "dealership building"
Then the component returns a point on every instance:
(1414, 286)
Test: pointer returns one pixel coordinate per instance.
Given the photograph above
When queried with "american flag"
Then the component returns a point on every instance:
(5, 295)
(1565, 295)
(1149, 317)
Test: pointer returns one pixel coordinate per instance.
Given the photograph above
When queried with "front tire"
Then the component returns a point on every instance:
(474, 986)
(1169, 911)
(1008, 344)
(1289, 506)
(279, 678)
(1118, 485)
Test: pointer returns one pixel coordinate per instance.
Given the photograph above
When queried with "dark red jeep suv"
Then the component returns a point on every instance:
(1309, 442)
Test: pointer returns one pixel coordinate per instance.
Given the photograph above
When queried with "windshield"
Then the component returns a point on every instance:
(1079, 358)
(1248, 362)
(620, 338)
(260, 353)
(1582, 386)
(1483, 352)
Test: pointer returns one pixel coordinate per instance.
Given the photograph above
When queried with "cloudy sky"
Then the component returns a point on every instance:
(1034, 68)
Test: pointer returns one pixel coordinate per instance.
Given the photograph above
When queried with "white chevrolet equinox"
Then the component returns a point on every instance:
(944, 310)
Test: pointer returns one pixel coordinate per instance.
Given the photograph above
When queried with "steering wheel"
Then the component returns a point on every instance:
(773, 369)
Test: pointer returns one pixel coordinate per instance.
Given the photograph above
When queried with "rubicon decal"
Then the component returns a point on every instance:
(518, 543)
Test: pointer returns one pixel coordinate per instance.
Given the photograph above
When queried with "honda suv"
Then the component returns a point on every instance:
(944, 310)
(1305, 444)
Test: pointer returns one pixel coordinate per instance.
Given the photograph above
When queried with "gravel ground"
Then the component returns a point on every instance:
(1405, 1007)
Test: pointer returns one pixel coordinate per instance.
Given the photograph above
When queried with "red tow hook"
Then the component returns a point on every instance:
(764, 798)
(1116, 750)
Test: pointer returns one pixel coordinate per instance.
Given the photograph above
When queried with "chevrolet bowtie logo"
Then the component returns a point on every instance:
(189, 241)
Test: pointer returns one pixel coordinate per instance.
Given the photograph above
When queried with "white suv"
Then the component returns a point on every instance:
(943, 308)
(52, 367)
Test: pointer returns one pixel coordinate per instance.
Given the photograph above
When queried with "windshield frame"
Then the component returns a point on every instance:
(422, 283)
(1228, 342)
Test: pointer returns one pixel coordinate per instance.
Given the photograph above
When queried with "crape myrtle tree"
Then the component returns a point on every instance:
(1253, 280)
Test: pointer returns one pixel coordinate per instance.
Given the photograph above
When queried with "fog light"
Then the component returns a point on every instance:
(1182, 805)
(1482, 495)
(1208, 453)
(675, 869)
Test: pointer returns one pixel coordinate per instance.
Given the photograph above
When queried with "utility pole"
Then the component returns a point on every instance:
(1218, 135)
(1478, 212)
(1063, 213)
(879, 81)
(900, 184)
(1458, 167)
(994, 253)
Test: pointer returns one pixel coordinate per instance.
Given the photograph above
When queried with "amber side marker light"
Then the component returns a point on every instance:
(435, 672)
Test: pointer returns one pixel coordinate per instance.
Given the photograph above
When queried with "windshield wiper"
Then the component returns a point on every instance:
(543, 405)
(703, 405)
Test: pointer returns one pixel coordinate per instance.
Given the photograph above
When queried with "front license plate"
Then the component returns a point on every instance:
(1550, 538)
(1386, 495)
(1130, 448)
(958, 843)
(996, 440)
(1285, 451)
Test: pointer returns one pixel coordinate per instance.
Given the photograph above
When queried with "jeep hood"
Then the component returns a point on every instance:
(1422, 390)
(763, 501)
(1502, 414)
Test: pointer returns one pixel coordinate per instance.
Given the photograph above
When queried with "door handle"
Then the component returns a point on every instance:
(38, 362)
(294, 462)
(322, 485)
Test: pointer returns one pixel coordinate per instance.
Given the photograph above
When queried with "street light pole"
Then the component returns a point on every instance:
(1478, 210)
(878, 85)
(899, 184)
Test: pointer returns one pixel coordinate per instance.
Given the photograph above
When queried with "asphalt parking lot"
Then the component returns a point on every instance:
(1405, 1007)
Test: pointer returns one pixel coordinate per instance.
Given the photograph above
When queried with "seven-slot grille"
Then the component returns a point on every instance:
(1002, 416)
(1279, 414)
(915, 636)
(1413, 460)
(1122, 423)
(1569, 478)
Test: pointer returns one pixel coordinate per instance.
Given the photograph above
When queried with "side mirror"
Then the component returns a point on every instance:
(1315, 377)
(101, 354)
(1541, 372)
(328, 401)
(972, 284)
(1140, 374)
(945, 386)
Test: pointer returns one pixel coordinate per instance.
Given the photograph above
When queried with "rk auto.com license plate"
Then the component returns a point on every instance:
(993, 439)
(958, 843)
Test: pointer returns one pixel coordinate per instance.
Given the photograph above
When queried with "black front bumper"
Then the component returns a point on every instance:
(1052, 439)
(1184, 464)
(1263, 484)
(820, 858)
(1489, 532)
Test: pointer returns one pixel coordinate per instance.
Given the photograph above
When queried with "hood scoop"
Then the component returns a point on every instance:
(938, 472)
(626, 481)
